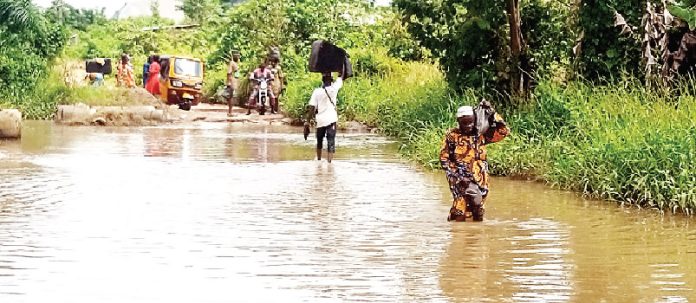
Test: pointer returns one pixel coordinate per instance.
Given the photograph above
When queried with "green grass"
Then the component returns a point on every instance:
(51, 91)
(619, 142)
(108, 96)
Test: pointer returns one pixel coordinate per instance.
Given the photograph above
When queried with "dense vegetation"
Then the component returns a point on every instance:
(28, 42)
(576, 89)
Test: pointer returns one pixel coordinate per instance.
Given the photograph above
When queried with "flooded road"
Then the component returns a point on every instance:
(222, 213)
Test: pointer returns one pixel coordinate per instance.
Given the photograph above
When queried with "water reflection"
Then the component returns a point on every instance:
(539, 265)
(219, 213)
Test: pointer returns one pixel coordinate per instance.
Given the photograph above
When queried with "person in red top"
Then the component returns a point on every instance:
(260, 73)
(153, 85)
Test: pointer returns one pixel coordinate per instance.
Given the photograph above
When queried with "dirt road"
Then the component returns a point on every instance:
(218, 113)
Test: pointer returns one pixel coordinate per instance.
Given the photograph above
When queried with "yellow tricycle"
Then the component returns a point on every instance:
(181, 80)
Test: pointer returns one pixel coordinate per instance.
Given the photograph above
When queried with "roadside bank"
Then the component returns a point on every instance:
(620, 142)
(160, 113)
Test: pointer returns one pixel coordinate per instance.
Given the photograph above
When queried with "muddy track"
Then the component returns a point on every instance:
(144, 115)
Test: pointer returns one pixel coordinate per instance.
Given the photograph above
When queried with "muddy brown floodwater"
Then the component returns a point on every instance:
(223, 213)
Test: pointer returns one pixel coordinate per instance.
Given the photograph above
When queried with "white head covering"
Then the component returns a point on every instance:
(465, 111)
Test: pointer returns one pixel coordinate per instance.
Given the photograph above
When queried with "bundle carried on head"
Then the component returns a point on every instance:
(98, 65)
(327, 58)
(274, 54)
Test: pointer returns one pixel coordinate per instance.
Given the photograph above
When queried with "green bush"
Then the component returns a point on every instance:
(605, 52)
(370, 62)
(619, 141)
(40, 103)
(215, 80)
(28, 43)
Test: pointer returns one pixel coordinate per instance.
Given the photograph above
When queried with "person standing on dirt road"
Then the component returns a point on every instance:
(322, 107)
(124, 73)
(279, 81)
(232, 81)
(153, 85)
(146, 70)
(463, 157)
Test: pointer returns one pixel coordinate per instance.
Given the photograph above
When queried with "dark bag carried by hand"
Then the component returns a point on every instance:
(306, 131)
(485, 117)
(473, 193)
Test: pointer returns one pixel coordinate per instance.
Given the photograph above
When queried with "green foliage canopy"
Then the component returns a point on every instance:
(255, 26)
(605, 53)
(464, 35)
(77, 19)
(470, 38)
(28, 41)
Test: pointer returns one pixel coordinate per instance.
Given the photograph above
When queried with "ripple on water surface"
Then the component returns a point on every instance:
(217, 213)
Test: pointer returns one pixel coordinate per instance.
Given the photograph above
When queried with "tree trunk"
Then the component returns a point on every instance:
(517, 75)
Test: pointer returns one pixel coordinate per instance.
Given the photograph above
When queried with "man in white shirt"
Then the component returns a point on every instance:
(322, 106)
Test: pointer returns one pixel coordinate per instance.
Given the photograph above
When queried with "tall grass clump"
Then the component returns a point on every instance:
(381, 85)
(410, 101)
(40, 103)
(619, 142)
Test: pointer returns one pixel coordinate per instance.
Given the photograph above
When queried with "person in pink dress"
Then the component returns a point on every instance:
(153, 85)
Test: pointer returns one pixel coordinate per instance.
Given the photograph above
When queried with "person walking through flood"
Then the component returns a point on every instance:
(124, 73)
(153, 85)
(463, 157)
(322, 107)
(232, 80)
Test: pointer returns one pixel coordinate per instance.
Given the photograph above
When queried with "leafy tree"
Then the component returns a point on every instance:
(550, 31)
(28, 42)
(154, 8)
(497, 45)
(400, 42)
(201, 11)
(255, 26)
(18, 14)
(78, 19)
(604, 52)
(468, 38)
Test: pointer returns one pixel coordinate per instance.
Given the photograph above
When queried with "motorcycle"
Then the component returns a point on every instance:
(263, 96)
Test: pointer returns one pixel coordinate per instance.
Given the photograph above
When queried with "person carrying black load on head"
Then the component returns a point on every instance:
(326, 58)
(322, 106)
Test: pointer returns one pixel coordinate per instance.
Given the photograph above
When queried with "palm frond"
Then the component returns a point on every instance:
(18, 14)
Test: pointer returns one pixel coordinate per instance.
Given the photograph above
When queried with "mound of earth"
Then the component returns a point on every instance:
(139, 95)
